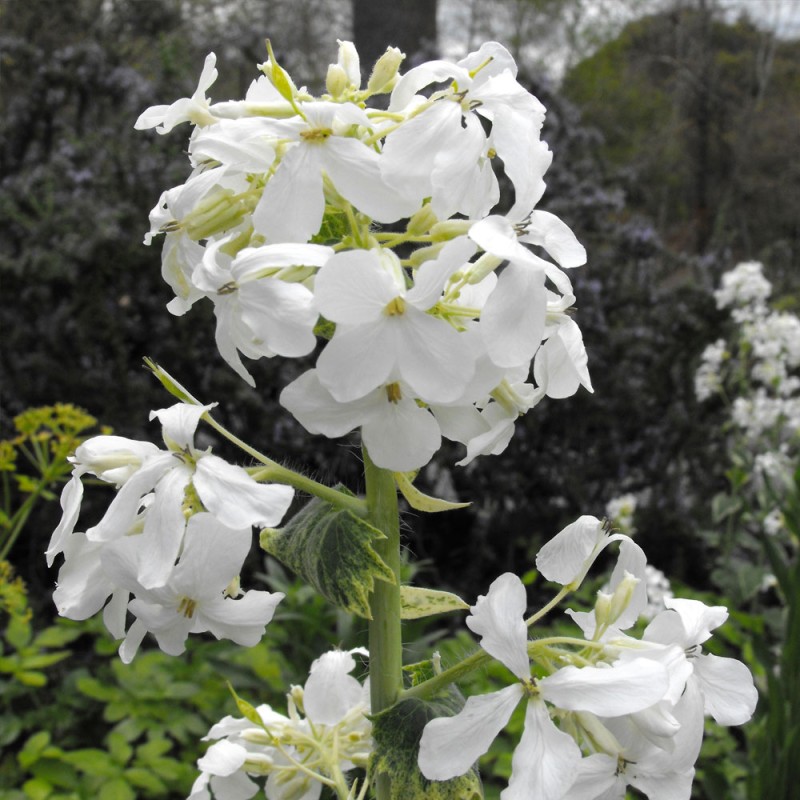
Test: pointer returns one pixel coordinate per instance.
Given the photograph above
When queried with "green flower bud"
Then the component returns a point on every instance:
(384, 73)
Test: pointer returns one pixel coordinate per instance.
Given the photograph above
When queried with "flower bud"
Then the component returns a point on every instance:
(483, 266)
(336, 80)
(449, 229)
(615, 604)
(423, 254)
(349, 63)
(422, 221)
(384, 73)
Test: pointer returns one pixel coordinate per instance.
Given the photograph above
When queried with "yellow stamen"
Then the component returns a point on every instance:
(187, 607)
(393, 394)
(395, 308)
(316, 134)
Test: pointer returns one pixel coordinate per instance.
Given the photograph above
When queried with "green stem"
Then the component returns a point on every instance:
(437, 682)
(385, 636)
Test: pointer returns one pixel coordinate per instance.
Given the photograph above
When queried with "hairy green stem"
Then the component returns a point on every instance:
(385, 636)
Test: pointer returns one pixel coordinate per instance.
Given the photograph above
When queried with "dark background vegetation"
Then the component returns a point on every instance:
(675, 157)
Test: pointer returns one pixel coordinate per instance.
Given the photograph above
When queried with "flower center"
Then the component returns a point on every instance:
(316, 134)
(187, 607)
(395, 308)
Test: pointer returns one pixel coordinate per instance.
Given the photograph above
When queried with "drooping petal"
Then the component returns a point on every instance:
(451, 745)
(556, 237)
(498, 618)
(237, 500)
(561, 363)
(513, 319)
(401, 436)
(544, 761)
(727, 686)
(71, 496)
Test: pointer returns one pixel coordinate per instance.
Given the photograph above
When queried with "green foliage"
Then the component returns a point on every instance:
(396, 733)
(331, 549)
(34, 461)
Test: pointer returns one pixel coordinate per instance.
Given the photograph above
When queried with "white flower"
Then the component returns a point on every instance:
(725, 684)
(293, 203)
(545, 760)
(139, 469)
(383, 331)
(259, 312)
(193, 109)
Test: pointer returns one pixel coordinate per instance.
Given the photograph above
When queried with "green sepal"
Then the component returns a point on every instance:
(247, 710)
(417, 602)
(396, 733)
(420, 501)
(331, 549)
(169, 383)
(279, 77)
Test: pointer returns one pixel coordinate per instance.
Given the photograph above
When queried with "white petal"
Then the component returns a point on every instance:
(698, 619)
(358, 359)
(727, 686)
(180, 423)
(237, 500)
(607, 691)
(330, 691)
(401, 436)
(451, 745)
(430, 278)
(353, 288)
(223, 758)
(561, 363)
(212, 557)
(317, 411)
(243, 620)
(280, 315)
(292, 205)
(545, 760)
(82, 586)
(164, 525)
(555, 236)
(513, 319)
(71, 496)
(355, 171)
(498, 618)
(564, 558)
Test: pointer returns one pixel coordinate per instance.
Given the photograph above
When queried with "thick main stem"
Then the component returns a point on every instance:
(385, 637)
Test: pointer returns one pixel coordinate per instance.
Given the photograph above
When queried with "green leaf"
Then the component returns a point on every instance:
(723, 506)
(18, 632)
(92, 761)
(420, 501)
(143, 778)
(396, 733)
(118, 789)
(37, 789)
(33, 749)
(331, 549)
(416, 602)
(56, 636)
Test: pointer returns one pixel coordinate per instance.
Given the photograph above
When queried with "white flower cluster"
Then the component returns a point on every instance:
(326, 734)
(605, 711)
(373, 227)
(620, 511)
(768, 358)
(170, 547)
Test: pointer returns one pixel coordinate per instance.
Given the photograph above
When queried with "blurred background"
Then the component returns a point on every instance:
(675, 128)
